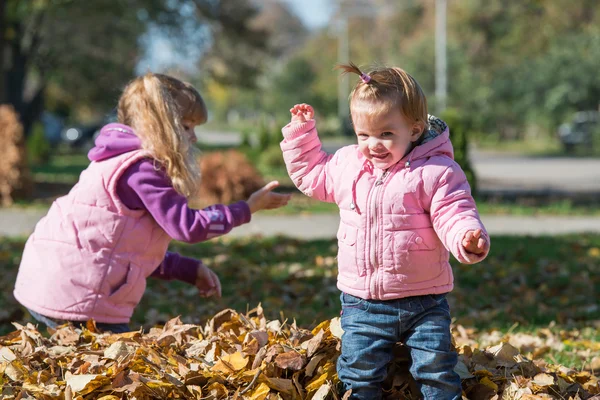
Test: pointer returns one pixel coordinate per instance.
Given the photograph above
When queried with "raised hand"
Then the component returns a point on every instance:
(265, 199)
(302, 113)
(207, 282)
(474, 243)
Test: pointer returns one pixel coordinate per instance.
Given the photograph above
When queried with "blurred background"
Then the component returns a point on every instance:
(517, 80)
(516, 77)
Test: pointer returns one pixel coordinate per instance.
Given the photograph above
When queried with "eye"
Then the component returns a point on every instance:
(387, 134)
(363, 136)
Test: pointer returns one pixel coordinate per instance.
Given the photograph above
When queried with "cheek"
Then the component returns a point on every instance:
(397, 147)
(363, 146)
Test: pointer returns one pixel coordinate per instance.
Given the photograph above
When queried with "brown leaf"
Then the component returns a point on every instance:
(313, 344)
(290, 360)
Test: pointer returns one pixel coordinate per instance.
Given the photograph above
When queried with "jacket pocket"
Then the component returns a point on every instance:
(347, 252)
(130, 292)
(417, 256)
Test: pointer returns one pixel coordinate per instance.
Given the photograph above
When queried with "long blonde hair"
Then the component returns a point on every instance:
(386, 88)
(154, 105)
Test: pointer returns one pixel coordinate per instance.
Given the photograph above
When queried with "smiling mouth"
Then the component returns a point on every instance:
(380, 156)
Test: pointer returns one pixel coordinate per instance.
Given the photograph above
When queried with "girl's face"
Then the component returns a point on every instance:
(190, 122)
(383, 138)
(189, 126)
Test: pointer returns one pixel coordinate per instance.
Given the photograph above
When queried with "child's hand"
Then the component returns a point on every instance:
(302, 113)
(474, 243)
(207, 282)
(265, 199)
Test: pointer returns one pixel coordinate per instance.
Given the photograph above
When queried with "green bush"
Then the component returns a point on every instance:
(271, 158)
(38, 147)
(460, 133)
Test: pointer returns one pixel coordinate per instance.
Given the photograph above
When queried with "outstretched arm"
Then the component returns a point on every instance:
(311, 169)
(144, 187)
(455, 217)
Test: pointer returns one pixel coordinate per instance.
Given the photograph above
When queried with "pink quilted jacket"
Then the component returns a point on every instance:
(397, 228)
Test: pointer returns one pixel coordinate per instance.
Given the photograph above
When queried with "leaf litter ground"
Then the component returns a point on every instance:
(525, 328)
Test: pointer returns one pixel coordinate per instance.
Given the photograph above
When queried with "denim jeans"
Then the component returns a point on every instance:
(372, 328)
(54, 323)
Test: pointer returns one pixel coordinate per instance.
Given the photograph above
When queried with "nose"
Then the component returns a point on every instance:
(374, 143)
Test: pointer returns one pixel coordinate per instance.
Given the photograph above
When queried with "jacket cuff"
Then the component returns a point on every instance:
(175, 266)
(294, 129)
(240, 211)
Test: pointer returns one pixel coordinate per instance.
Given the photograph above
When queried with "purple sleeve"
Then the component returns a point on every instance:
(175, 266)
(144, 187)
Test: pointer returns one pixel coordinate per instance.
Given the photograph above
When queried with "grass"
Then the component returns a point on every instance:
(540, 146)
(531, 146)
(526, 285)
(64, 168)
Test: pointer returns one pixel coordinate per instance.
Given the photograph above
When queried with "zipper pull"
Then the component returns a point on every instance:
(380, 180)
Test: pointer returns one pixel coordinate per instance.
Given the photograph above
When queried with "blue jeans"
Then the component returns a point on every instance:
(55, 323)
(372, 328)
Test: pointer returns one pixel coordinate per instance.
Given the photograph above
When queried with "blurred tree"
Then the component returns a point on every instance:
(516, 54)
(293, 84)
(242, 100)
(90, 49)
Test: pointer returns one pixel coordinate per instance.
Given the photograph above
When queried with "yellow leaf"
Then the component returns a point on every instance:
(260, 393)
(487, 382)
(230, 363)
(316, 383)
(85, 383)
(483, 372)
(323, 325)
(217, 390)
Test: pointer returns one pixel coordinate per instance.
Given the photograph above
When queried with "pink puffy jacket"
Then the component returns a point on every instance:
(396, 230)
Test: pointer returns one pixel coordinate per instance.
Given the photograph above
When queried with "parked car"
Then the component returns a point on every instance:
(82, 136)
(580, 131)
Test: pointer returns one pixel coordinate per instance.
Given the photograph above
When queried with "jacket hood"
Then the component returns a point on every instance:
(114, 139)
(435, 141)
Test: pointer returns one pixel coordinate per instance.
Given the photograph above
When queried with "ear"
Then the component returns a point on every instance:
(417, 130)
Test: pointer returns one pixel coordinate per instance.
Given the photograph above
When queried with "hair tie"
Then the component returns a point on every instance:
(365, 78)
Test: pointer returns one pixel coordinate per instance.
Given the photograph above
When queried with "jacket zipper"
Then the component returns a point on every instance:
(374, 261)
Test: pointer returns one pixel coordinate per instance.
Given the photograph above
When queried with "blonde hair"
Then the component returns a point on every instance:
(386, 88)
(154, 105)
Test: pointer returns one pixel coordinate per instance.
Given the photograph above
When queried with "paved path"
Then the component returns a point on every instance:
(318, 226)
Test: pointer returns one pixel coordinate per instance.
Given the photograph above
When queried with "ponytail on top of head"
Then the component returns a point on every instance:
(154, 106)
(387, 88)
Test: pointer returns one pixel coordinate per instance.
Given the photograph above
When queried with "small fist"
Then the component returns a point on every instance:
(302, 113)
(207, 282)
(474, 243)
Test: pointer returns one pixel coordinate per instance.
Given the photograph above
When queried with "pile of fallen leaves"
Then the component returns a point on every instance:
(244, 356)
(227, 176)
